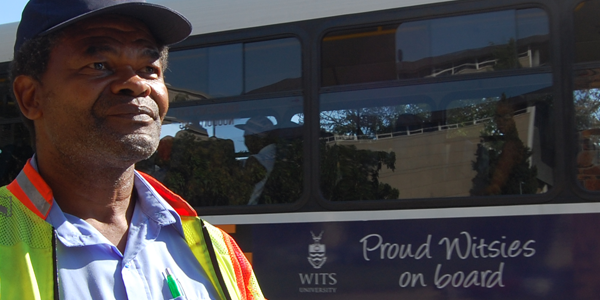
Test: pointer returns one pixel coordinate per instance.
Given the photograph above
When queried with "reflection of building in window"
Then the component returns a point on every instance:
(436, 160)
(587, 120)
(472, 43)
(588, 159)
(486, 59)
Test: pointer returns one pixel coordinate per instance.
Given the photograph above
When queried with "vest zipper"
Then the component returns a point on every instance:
(55, 264)
(213, 259)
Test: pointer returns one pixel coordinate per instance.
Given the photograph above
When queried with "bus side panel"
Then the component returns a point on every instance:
(516, 257)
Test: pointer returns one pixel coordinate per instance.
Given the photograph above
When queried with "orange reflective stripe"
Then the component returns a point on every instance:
(236, 267)
(38, 182)
(243, 269)
(32, 191)
(16, 190)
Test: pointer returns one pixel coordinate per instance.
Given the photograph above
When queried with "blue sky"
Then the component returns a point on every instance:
(11, 11)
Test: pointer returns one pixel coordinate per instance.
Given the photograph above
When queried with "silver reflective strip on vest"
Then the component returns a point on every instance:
(33, 194)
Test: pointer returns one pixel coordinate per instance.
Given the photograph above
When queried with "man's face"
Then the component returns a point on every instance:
(103, 96)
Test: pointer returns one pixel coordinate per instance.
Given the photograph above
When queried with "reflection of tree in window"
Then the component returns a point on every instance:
(587, 121)
(351, 174)
(348, 173)
(205, 170)
(587, 108)
(502, 160)
(370, 121)
(466, 111)
(506, 56)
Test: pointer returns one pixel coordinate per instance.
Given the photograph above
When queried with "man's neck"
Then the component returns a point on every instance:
(99, 194)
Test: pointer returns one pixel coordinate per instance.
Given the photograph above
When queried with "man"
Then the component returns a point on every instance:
(79, 222)
(259, 139)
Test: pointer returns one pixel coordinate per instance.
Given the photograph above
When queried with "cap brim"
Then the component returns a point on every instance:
(167, 26)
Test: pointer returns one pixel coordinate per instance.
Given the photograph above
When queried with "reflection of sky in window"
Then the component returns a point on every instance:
(188, 70)
(437, 37)
(269, 62)
(221, 71)
(531, 22)
(225, 70)
(471, 32)
(216, 71)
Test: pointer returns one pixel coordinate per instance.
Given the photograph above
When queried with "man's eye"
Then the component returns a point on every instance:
(98, 66)
(151, 70)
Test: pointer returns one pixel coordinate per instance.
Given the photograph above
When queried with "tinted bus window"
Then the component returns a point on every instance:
(586, 24)
(462, 138)
(236, 69)
(239, 152)
(586, 95)
(15, 144)
(484, 42)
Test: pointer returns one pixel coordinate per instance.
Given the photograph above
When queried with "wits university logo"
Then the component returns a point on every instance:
(317, 282)
(316, 252)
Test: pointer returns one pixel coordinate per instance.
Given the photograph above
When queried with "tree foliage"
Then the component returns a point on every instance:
(204, 172)
(369, 121)
(502, 160)
(587, 108)
(506, 56)
(209, 173)
(351, 174)
(467, 110)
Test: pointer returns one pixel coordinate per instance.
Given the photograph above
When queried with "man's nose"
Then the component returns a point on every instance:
(130, 83)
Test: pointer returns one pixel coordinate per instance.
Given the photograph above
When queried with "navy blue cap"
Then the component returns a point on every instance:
(42, 17)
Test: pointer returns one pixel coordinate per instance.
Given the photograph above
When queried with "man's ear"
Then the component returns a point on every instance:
(25, 89)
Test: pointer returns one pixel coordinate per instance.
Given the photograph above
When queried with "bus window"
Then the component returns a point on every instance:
(485, 42)
(586, 23)
(587, 122)
(15, 144)
(241, 153)
(235, 69)
(238, 152)
(453, 139)
(586, 95)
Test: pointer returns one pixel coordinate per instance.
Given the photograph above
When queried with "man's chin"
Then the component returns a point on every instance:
(135, 149)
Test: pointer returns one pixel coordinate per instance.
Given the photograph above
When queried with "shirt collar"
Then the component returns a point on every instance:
(74, 233)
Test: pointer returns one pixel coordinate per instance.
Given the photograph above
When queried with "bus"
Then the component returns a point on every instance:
(407, 149)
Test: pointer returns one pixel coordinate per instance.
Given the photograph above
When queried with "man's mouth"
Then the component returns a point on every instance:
(139, 113)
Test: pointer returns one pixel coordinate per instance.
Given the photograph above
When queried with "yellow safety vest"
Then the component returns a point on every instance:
(28, 268)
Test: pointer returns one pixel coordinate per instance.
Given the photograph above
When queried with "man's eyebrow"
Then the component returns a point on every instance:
(148, 52)
(97, 49)
(151, 53)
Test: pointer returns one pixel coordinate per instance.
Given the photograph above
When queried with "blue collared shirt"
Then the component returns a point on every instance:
(91, 267)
